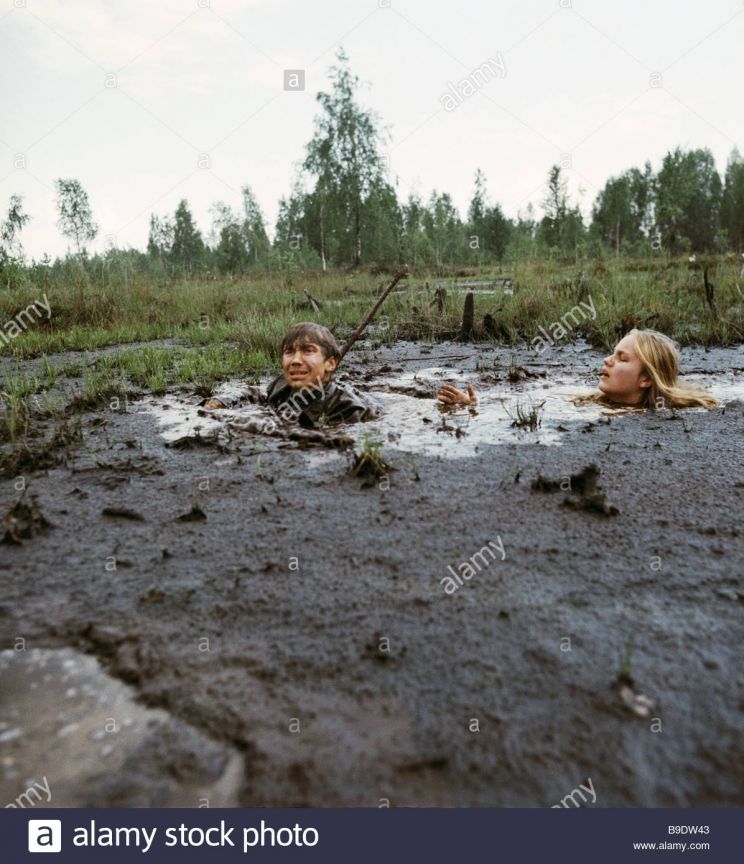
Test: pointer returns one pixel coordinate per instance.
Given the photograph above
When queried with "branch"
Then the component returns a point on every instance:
(371, 314)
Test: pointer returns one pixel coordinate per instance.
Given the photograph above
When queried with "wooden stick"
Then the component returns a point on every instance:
(468, 317)
(371, 314)
(709, 295)
(314, 305)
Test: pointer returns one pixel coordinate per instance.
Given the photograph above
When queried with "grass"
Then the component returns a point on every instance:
(625, 672)
(254, 311)
(369, 463)
(526, 415)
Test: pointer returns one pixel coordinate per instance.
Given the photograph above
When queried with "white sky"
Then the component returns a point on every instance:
(206, 77)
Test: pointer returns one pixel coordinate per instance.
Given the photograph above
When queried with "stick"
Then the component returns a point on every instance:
(314, 305)
(468, 316)
(709, 295)
(371, 314)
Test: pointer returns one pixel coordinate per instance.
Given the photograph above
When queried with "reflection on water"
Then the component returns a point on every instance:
(413, 422)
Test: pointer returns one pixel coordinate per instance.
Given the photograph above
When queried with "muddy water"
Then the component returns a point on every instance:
(421, 425)
(413, 422)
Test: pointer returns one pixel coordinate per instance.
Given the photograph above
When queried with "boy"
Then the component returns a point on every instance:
(305, 392)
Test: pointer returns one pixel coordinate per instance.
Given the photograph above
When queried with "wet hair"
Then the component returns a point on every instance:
(659, 356)
(307, 332)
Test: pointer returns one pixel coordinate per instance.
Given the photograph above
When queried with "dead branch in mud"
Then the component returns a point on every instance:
(371, 314)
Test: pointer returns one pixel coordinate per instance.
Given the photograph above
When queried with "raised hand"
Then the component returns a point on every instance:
(450, 395)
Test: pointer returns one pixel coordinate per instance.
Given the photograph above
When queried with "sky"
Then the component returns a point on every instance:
(148, 103)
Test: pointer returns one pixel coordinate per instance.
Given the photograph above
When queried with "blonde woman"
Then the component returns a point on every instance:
(642, 372)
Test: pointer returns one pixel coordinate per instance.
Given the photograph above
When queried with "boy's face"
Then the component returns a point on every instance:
(305, 366)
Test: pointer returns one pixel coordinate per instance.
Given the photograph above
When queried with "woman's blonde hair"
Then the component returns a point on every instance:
(659, 358)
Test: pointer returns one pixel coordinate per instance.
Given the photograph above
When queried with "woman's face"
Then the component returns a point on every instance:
(623, 379)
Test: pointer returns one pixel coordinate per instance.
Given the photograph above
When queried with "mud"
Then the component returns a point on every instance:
(74, 737)
(254, 591)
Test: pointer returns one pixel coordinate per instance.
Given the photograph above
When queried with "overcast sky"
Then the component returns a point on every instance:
(132, 96)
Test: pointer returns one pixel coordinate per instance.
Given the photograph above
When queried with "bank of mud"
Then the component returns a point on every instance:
(264, 599)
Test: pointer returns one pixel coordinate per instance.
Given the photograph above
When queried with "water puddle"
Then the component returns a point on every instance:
(478, 286)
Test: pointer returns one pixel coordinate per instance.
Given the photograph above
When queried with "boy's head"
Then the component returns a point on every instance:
(310, 354)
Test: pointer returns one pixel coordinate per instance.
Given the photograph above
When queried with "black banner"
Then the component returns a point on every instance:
(384, 835)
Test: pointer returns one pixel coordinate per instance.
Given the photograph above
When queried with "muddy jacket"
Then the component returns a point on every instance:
(331, 403)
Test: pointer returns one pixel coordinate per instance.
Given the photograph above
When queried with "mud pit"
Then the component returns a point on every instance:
(253, 591)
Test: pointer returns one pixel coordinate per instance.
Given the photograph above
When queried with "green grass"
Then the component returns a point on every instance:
(254, 312)
(526, 415)
(369, 463)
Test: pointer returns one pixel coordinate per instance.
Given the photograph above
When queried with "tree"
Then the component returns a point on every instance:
(75, 216)
(343, 157)
(230, 250)
(253, 228)
(416, 247)
(231, 253)
(11, 250)
(488, 228)
(522, 240)
(160, 240)
(222, 215)
(444, 229)
(383, 226)
(688, 199)
(732, 202)
(296, 234)
(289, 227)
(188, 247)
(10, 229)
(622, 211)
(562, 227)
(556, 207)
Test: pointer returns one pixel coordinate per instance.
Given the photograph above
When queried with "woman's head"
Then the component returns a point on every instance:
(643, 370)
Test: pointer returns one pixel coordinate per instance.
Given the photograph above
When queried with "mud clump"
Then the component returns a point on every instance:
(115, 512)
(196, 514)
(585, 493)
(23, 521)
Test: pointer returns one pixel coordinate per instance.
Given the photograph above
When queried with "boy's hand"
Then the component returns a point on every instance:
(213, 403)
(450, 395)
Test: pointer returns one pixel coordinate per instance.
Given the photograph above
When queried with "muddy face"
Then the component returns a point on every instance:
(623, 378)
(305, 366)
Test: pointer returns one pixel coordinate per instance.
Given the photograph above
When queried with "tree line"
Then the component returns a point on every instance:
(344, 211)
